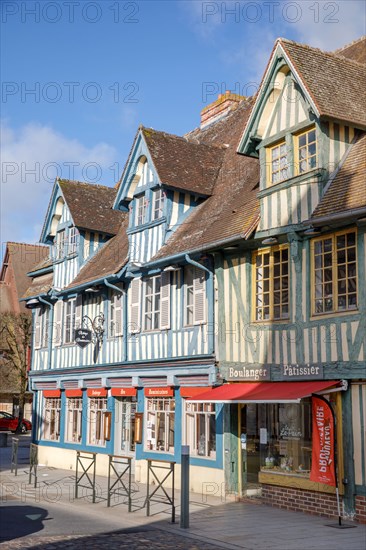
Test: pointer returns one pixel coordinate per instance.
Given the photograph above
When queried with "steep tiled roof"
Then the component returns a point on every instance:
(6, 303)
(233, 208)
(91, 206)
(40, 285)
(109, 260)
(337, 85)
(183, 164)
(23, 258)
(43, 264)
(355, 51)
(348, 189)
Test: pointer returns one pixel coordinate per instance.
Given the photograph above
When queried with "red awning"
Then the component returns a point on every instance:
(263, 392)
(51, 393)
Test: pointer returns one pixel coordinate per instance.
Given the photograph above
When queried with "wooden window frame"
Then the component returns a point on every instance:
(140, 209)
(334, 281)
(68, 332)
(158, 203)
(297, 161)
(271, 251)
(74, 415)
(270, 171)
(154, 311)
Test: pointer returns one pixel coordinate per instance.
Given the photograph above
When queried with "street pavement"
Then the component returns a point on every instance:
(49, 517)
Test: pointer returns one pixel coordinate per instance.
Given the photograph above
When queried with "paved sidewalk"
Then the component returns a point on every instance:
(49, 517)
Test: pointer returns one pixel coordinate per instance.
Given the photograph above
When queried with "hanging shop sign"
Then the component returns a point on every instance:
(302, 372)
(83, 337)
(323, 456)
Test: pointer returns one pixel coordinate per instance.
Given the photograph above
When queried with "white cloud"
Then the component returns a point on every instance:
(32, 156)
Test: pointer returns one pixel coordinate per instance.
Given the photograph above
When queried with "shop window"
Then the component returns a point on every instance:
(200, 429)
(51, 419)
(159, 431)
(158, 203)
(271, 284)
(96, 421)
(305, 147)
(335, 273)
(277, 159)
(74, 419)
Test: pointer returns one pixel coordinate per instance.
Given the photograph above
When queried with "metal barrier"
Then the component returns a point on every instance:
(120, 487)
(14, 455)
(33, 463)
(80, 457)
(165, 466)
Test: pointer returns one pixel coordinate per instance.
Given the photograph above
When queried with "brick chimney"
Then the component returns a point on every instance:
(222, 106)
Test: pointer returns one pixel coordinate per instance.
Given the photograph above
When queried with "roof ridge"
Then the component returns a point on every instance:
(184, 138)
(27, 244)
(61, 180)
(314, 49)
(363, 37)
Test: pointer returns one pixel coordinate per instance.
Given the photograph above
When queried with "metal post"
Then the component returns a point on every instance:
(129, 484)
(184, 488)
(14, 455)
(147, 489)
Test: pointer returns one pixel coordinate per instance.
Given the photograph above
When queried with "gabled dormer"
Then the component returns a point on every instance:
(300, 128)
(164, 180)
(78, 222)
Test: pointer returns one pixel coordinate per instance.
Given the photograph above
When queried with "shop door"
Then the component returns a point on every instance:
(250, 420)
(125, 428)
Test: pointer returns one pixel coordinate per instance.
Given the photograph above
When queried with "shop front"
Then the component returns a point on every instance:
(271, 443)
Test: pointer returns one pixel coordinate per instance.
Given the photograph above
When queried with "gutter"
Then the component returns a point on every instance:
(356, 212)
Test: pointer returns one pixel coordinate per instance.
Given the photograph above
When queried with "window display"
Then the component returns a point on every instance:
(159, 434)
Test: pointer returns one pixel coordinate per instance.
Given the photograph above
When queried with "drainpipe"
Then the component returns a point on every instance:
(211, 311)
(124, 294)
(50, 324)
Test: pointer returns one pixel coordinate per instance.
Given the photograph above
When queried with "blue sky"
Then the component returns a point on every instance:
(79, 77)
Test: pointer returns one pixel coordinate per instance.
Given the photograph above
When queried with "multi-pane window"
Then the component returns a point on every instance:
(60, 245)
(152, 303)
(51, 418)
(271, 284)
(159, 432)
(158, 204)
(140, 209)
(115, 314)
(74, 419)
(44, 326)
(73, 240)
(69, 320)
(306, 147)
(278, 163)
(200, 429)
(97, 410)
(335, 273)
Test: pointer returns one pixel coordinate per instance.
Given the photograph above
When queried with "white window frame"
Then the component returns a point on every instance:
(158, 203)
(198, 302)
(194, 413)
(44, 326)
(97, 407)
(115, 304)
(152, 304)
(60, 244)
(73, 241)
(51, 421)
(69, 320)
(189, 295)
(140, 209)
(158, 408)
(74, 419)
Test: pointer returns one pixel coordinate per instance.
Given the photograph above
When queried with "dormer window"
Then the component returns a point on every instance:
(278, 163)
(73, 240)
(158, 203)
(60, 245)
(140, 210)
(305, 144)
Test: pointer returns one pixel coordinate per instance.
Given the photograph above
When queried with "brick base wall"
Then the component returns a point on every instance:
(361, 509)
(311, 502)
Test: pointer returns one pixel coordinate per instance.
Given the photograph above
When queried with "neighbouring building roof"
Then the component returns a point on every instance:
(355, 51)
(6, 303)
(91, 206)
(109, 260)
(40, 285)
(348, 189)
(337, 85)
(233, 209)
(183, 164)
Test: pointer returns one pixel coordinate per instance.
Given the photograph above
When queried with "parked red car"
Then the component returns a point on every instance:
(10, 422)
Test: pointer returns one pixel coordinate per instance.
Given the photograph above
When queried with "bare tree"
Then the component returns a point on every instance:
(15, 339)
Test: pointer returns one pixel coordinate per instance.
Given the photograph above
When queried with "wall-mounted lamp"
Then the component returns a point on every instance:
(312, 231)
(92, 290)
(171, 268)
(135, 265)
(32, 303)
(270, 240)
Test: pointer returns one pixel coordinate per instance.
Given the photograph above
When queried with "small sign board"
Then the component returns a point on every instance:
(302, 372)
(247, 373)
(83, 337)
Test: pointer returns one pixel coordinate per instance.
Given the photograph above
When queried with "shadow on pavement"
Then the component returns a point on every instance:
(20, 521)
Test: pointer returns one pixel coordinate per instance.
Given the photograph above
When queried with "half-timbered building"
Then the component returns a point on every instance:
(216, 288)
